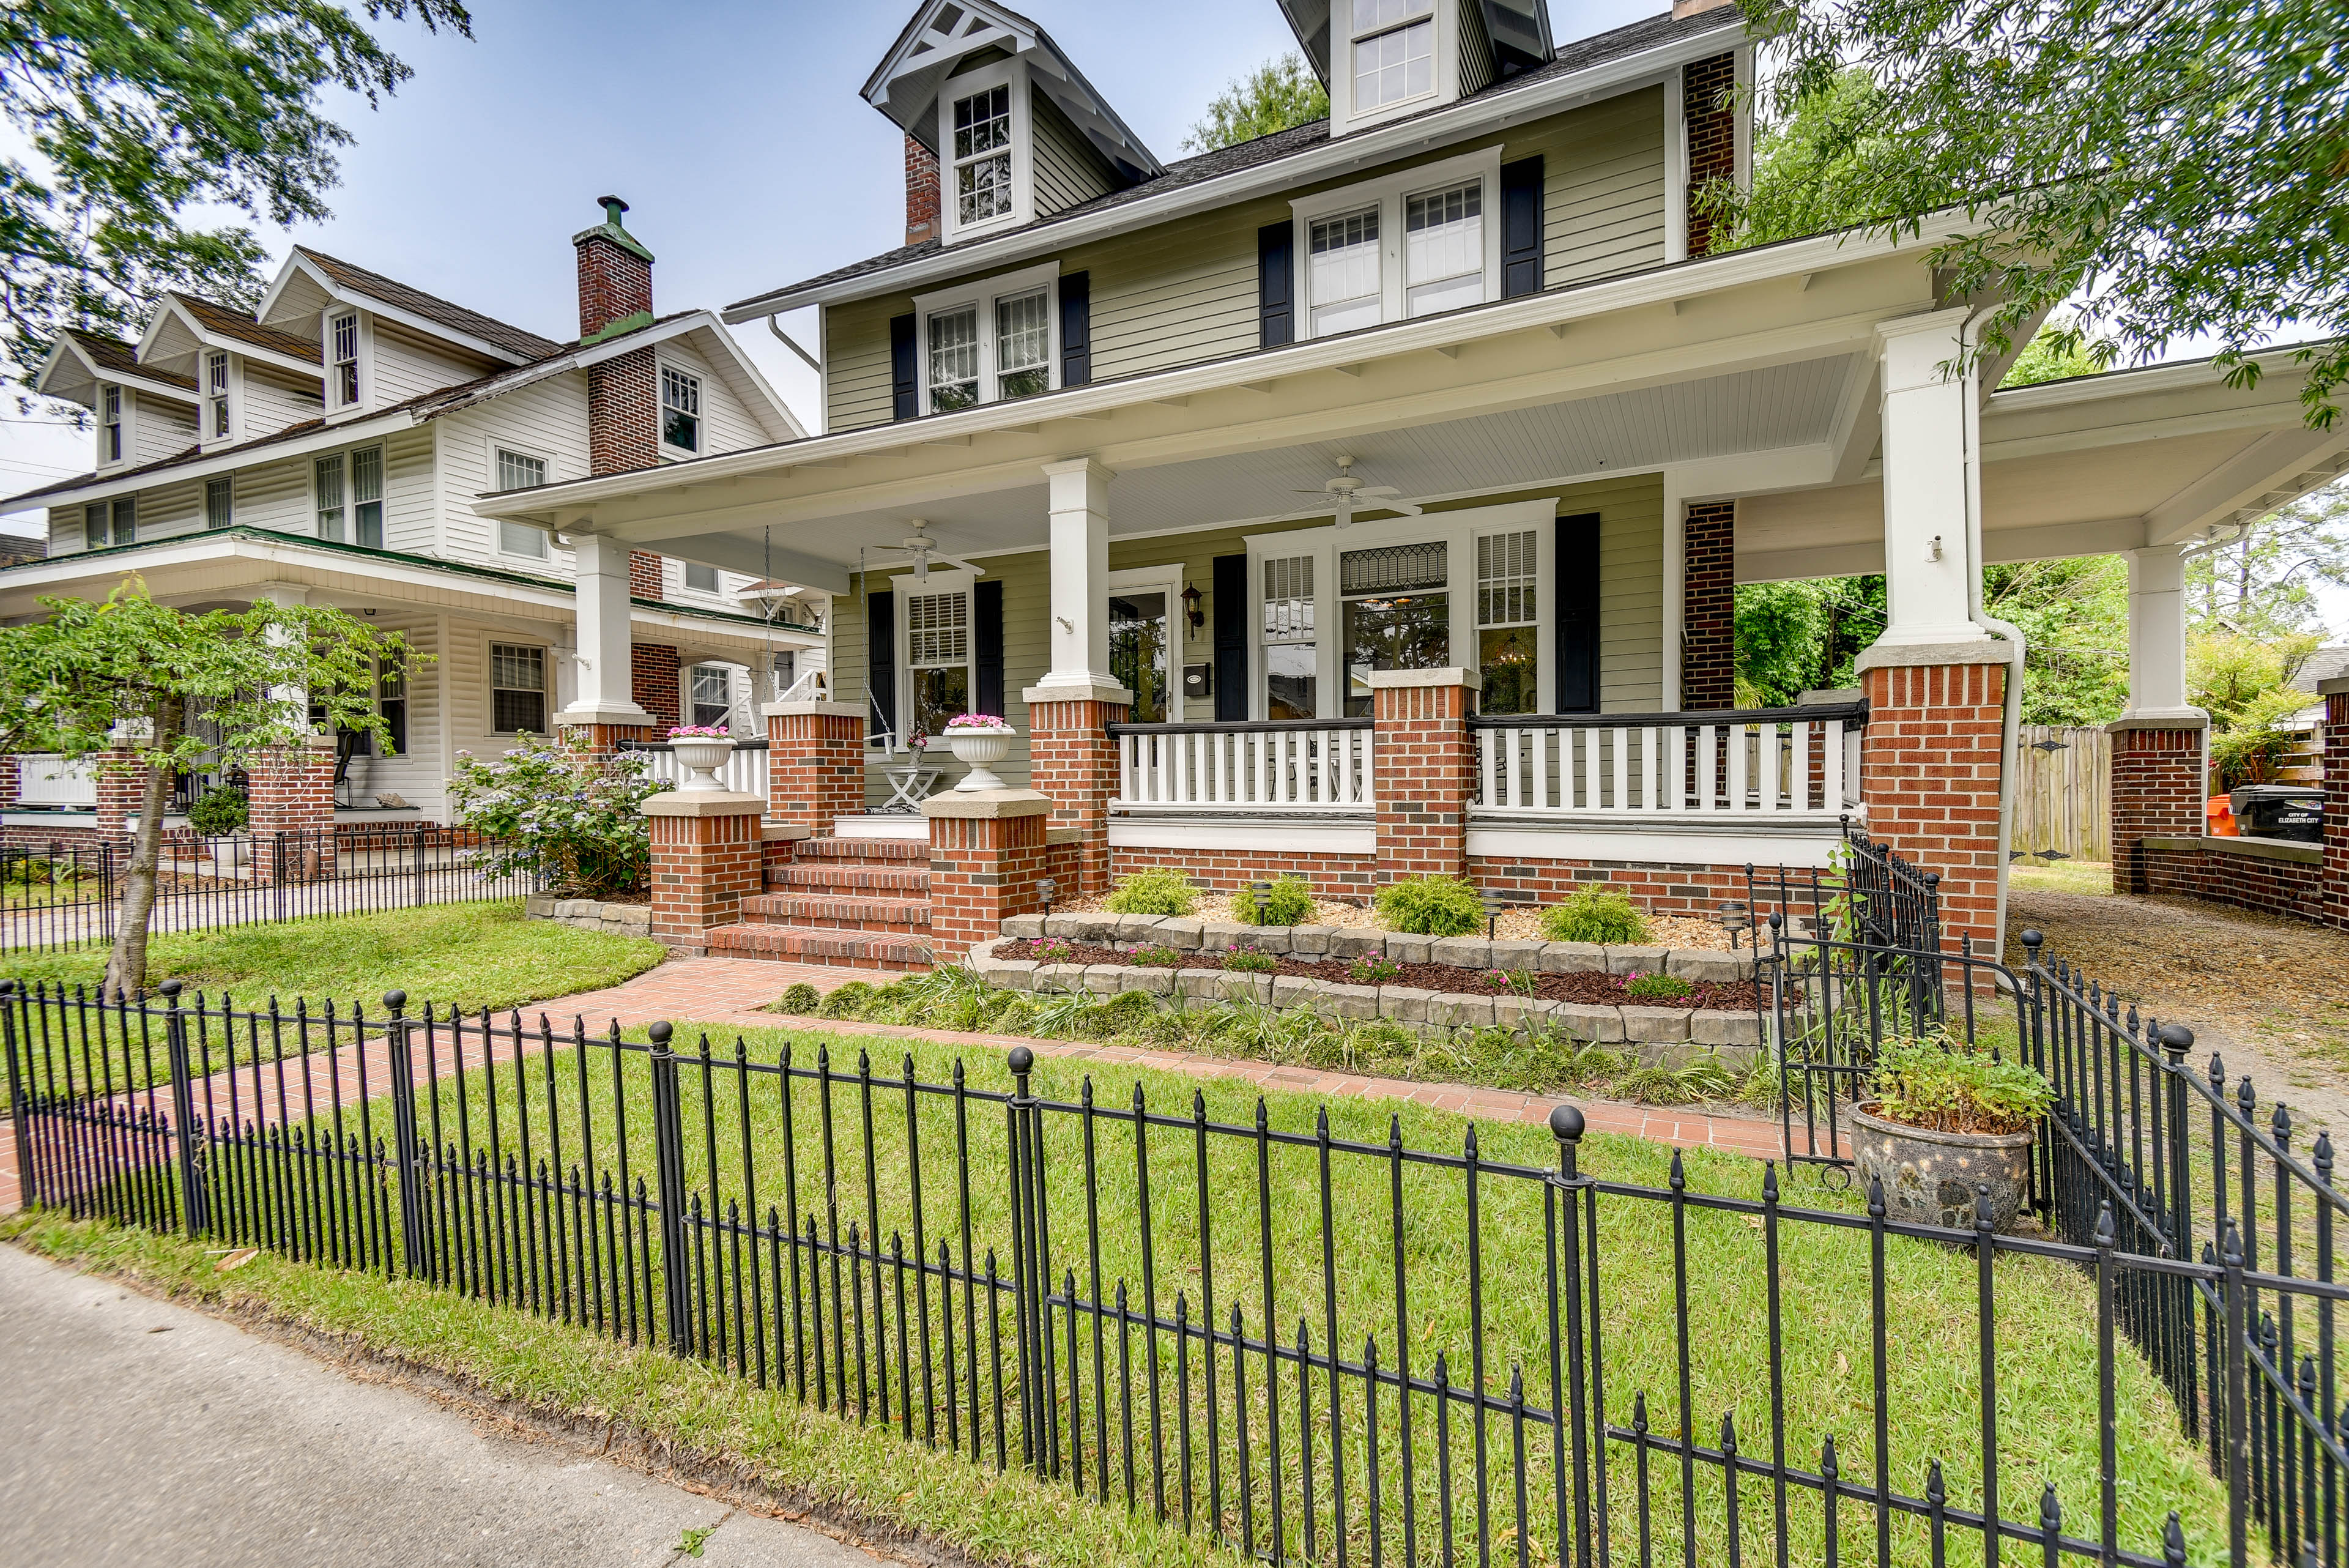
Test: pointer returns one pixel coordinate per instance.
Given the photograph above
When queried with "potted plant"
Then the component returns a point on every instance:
(1947, 1119)
(701, 750)
(979, 742)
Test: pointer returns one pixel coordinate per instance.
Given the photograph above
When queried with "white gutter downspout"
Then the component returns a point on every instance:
(2011, 719)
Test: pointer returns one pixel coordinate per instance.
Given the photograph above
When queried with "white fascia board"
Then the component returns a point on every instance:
(1485, 113)
(66, 345)
(237, 346)
(2274, 363)
(227, 461)
(1657, 285)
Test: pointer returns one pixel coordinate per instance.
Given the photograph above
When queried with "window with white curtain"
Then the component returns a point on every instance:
(954, 359)
(982, 155)
(1023, 344)
(1342, 275)
(1508, 644)
(1394, 51)
(1290, 671)
(1443, 249)
(937, 658)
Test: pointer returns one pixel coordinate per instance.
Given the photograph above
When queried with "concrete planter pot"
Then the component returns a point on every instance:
(980, 751)
(1929, 1177)
(700, 757)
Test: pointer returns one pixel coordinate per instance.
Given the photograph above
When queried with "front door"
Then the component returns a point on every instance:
(1138, 651)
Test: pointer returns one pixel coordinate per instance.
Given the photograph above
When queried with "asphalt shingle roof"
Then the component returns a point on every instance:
(230, 322)
(472, 323)
(113, 354)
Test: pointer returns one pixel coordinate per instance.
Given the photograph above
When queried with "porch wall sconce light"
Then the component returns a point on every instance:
(1191, 610)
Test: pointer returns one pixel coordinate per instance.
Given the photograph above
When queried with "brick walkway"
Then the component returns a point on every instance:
(731, 993)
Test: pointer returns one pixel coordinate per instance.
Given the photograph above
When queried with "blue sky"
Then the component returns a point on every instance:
(734, 131)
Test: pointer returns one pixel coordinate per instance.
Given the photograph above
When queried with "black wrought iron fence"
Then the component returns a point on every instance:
(1317, 1347)
(67, 895)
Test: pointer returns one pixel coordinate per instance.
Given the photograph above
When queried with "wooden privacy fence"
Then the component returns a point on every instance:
(2061, 791)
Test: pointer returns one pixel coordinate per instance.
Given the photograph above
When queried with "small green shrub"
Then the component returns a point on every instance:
(1290, 903)
(1157, 890)
(1592, 914)
(1432, 907)
(1374, 970)
(849, 1001)
(1157, 957)
(1658, 986)
(802, 999)
(1947, 1085)
(1250, 961)
(217, 811)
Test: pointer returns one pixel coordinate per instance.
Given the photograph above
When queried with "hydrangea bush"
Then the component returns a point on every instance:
(561, 813)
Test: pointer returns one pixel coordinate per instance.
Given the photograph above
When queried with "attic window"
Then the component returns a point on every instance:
(1394, 51)
(215, 393)
(110, 425)
(982, 155)
(344, 332)
(680, 411)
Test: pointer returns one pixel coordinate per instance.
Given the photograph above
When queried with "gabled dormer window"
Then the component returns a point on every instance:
(1393, 52)
(109, 424)
(982, 155)
(343, 360)
(216, 423)
(986, 154)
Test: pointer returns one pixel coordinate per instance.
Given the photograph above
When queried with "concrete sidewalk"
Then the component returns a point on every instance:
(137, 1432)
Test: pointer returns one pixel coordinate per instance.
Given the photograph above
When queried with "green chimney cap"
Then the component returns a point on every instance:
(614, 230)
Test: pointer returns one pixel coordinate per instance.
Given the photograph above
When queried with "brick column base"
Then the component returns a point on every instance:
(290, 792)
(706, 855)
(1422, 767)
(815, 762)
(604, 739)
(2158, 787)
(989, 856)
(2335, 910)
(1929, 767)
(1709, 606)
(1074, 761)
(117, 781)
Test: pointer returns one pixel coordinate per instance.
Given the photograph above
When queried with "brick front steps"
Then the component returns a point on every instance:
(853, 903)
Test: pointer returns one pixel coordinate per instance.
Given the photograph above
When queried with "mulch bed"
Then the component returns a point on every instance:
(1587, 986)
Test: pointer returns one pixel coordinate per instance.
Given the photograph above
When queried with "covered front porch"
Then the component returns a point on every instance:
(1211, 660)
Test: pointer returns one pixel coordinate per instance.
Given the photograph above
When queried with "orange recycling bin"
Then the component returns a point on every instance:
(2219, 813)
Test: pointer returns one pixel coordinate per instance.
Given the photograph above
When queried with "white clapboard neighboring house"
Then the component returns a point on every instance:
(329, 447)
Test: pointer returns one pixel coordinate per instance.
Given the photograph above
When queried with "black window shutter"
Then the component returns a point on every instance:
(1521, 228)
(904, 371)
(1231, 639)
(1577, 613)
(1275, 284)
(881, 661)
(986, 644)
(1076, 333)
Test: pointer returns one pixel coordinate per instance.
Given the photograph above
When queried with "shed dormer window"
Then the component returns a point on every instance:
(215, 394)
(1394, 51)
(344, 334)
(110, 425)
(982, 155)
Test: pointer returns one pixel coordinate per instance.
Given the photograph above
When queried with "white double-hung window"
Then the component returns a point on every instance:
(982, 155)
(110, 425)
(521, 471)
(937, 658)
(989, 342)
(343, 360)
(215, 395)
(353, 514)
(985, 142)
(680, 411)
(1393, 52)
(1406, 245)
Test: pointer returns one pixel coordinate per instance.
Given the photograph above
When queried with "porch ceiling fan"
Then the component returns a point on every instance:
(921, 550)
(1348, 490)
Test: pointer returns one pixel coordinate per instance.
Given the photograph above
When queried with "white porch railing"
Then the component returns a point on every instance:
(1761, 765)
(50, 781)
(1324, 766)
(744, 772)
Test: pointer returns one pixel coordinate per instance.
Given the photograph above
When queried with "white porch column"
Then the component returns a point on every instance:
(1931, 483)
(1080, 603)
(604, 694)
(294, 697)
(2156, 638)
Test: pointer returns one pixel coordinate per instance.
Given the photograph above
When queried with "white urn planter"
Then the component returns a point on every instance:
(699, 757)
(980, 751)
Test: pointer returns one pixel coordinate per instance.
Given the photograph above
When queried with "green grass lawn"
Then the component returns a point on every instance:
(2094, 877)
(2045, 1330)
(470, 956)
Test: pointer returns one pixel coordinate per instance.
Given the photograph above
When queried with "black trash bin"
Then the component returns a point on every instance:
(2279, 811)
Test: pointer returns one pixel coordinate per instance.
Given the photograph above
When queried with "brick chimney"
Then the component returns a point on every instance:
(921, 193)
(1693, 7)
(616, 295)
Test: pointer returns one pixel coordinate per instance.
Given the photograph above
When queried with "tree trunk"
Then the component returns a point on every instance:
(125, 966)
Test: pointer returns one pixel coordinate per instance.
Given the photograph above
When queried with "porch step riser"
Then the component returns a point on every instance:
(803, 944)
(848, 879)
(862, 849)
(899, 916)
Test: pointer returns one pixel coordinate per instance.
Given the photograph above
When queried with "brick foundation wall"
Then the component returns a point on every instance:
(620, 404)
(1424, 759)
(983, 871)
(68, 838)
(2158, 792)
(815, 768)
(921, 193)
(2293, 888)
(603, 740)
(1709, 607)
(1929, 776)
(1658, 888)
(1072, 760)
(702, 869)
(1712, 136)
(653, 676)
(1353, 878)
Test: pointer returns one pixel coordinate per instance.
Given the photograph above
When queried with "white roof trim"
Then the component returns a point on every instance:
(367, 301)
(240, 347)
(227, 461)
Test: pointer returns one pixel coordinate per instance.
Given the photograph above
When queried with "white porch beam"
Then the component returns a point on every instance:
(2156, 636)
(604, 696)
(2275, 471)
(1753, 472)
(1930, 481)
(1079, 631)
(1857, 557)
